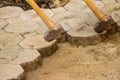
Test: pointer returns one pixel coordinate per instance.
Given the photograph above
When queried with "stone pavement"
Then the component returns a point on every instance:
(21, 34)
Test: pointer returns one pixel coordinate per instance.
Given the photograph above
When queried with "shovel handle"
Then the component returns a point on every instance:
(95, 10)
(41, 14)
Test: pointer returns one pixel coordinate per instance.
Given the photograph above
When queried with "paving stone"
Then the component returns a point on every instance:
(116, 16)
(8, 12)
(58, 10)
(92, 21)
(9, 39)
(11, 72)
(98, 4)
(108, 1)
(41, 30)
(84, 35)
(22, 27)
(29, 59)
(48, 12)
(29, 34)
(13, 19)
(31, 15)
(38, 42)
(57, 18)
(72, 6)
(72, 18)
(9, 54)
(110, 8)
(3, 23)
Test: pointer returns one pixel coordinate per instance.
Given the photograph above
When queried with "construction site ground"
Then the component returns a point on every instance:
(80, 54)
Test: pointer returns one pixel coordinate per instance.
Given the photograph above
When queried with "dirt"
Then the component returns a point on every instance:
(41, 3)
(94, 62)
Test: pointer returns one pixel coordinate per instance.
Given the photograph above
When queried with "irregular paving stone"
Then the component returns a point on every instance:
(57, 18)
(41, 30)
(116, 16)
(8, 12)
(22, 27)
(98, 4)
(11, 72)
(29, 34)
(31, 15)
(9, 39)
(72, 6)
(48, 12)
(9, 54)
(13, 19)
(3, 23)
(110, 8)
(92, 21)
(63, 17)
(108, 1)
(29, 59)
(38, 42)
(58, 10)
(84, 35)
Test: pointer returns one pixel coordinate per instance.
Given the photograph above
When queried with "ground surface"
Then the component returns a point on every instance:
(100, 62)
(23, 48)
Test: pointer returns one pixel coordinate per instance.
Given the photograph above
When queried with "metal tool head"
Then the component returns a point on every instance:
(56, 32)
(105, 24)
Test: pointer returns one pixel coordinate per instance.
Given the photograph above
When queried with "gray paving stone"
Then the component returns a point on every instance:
(29, 34)
(108, 1)
(11, 72)
(58, 10)
(116, 15)
(57, 18)
(9, 39)
(9, 54)
(84, 35)
(22, 27)
(110, 8)
(72, 6)
(31, 15)
(13, 19)
(29, 59)
(38, 42)
(98, 4)
(48, 12)
(72, 18)
(41, 30)
(3, 23)
(92, 21)
(8, 12)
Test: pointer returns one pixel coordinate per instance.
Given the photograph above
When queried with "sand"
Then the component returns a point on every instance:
(96, 62)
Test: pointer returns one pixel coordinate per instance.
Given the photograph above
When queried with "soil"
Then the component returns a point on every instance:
(41, 3)
(95, 62)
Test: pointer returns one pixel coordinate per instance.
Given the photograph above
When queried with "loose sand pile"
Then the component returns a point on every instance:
(97, 62)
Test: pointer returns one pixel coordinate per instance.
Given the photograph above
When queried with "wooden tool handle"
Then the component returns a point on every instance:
(42, 15)
(95, 10)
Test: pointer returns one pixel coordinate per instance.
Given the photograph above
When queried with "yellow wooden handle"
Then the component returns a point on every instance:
(95, 10)
(42, 15)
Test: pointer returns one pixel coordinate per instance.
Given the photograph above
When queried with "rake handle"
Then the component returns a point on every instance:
(41, 14)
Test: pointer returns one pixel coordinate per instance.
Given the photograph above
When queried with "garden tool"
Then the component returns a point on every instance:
(105, 23)
(56, 30)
